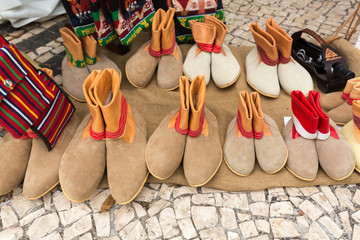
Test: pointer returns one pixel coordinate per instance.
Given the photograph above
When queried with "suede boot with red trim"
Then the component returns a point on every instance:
(125, 134)
(299, 135)
(239, 149)
(83, 163)
(203, 153)
(292, 76)
(351, 132)
(343, 114)
(261, 63)
(170, 135)
(141, 66)
(170, 65)
(198, 59)
(335, 154)
(335, 99)
(225, 69)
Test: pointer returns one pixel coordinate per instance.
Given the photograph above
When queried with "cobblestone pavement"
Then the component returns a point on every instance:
(163, 211)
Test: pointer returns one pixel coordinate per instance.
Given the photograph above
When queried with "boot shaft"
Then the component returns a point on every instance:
(168, 33)
(89, 46)
(221, 30)
(182, 119)
(266, 45)
(245, 116)
(204, 35)
(356, 116)
(354, 94)
(73, 47)
(349, 86)
(323, 126)
(156, 28)
(282, 39)
(258, 121)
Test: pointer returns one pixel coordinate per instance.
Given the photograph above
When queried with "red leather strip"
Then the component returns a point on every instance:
(241, 128)
(171, 49)
(350, 100)
(333, 133)
(345, 96)
(177, 125)
(199, 130)
(96, 135)
(258, 135)
(265, 58)
(283, 59)
(323, 126)
(25, 136)
(153, 52)
(295, 134)
(216, 49)
(122, 122)
(205, 47)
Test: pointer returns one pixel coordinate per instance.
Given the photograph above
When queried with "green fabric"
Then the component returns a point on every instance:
(74, 61)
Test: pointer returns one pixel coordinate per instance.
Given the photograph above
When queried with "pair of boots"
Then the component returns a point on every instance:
(253, 133)
(351, 132)
(313, 138)
(339, 103)
(80, 61)
(28, 160)
(210, 54)
(270, 62)
(192, 133)
(162, 51)
(112, 135)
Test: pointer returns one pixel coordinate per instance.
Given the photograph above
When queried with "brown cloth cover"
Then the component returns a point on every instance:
(154, 104)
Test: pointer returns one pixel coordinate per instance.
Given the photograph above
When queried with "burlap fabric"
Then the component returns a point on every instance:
(155, 104)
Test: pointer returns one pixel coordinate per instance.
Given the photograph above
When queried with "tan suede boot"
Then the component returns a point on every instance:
(203, 154)
(198, 59)
(170, 135)
(335, 154)
(343, 114)
(292, 76)
(141, 66)
(225, 69)
(333, 100)
(299, 135)
(270, 148)
(125, 139)
(239, 148)
(83, 163)
(94, 61)
(73, 68)
(351, 132)
(170, 65)
(14, 160)
(261, 63)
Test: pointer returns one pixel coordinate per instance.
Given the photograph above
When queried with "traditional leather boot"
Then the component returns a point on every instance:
(83, 163)
(299, 135)
(225, 69)
(198, 59)
(270, 148)
(292, 76)
(335, 154)
(170, 135)
(125, 134)
(170, 65)
(332, 100)
(94, 61)
(15, 154)
(203, 154)
(343, 114)
(73, 67)
(351, 132)
(239, 144)
(141, 66)
(261, 63)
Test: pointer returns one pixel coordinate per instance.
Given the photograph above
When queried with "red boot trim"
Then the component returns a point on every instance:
(350, 100)
(25, 136)
(216, 49)
(324, 126)
(205, 47)
(171, 49)
(258, 135)
(241, 128)
(199, 130)
(96, 135)
(283, 59)
(357, 121)
(122, 122)
(345, 96)
(153, 52)
(177, 125)
(333, 133)
(265, 58)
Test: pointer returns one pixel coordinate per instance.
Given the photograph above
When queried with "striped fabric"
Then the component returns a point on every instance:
(29, 98)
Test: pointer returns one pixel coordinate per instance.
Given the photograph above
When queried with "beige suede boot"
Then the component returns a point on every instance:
(83, 163)
(14, 160)
(203, 154)
(351, 132)
(125, 139)
(141, 66)
(299, 134)
(73, 68)
(292, 76)
(261, 63)
(239, 148)
(225, 69)
(335, 154)
(198, 59)
(270, 148)
(343, 114)
(170, 65)
(94, 61)
(170, 135)
(333, 100)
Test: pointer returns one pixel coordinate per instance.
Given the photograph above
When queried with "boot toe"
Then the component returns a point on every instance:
(197, 64)
(342, 114)
(331, 100)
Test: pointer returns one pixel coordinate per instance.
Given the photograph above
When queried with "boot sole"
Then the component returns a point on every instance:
(302, 178)
(77, 99)
(33, 198)
(229, 84)
(342, 178)
(76, 201)
(138, 191)
(235, 172)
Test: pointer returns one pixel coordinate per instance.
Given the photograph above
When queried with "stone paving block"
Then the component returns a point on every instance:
(183, 190)
(248, 229)
(69, 216)
(30, 217)
(102, 224)
(316, 232)
(23, 206)
(168, 223)
(12, 233)
(204, 217)
(310, 210)
(140, 211)
(331, 226)
(344, 195)
(98, 199)
(262, 226)
(165, 191)
(182, 207)
(356, 232)
(257, 196)
(203, 199)
(133, 231)
(153, 228)
(146, 195)
(43, 225)
(227, 218)
(281, 208)
(157, 207)
(260, 209)
(344, 216)
(187, 228)
(123, 216)
(283, 228)
(321, 199)
(53, 236)
(8, 217)
(213, 233)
